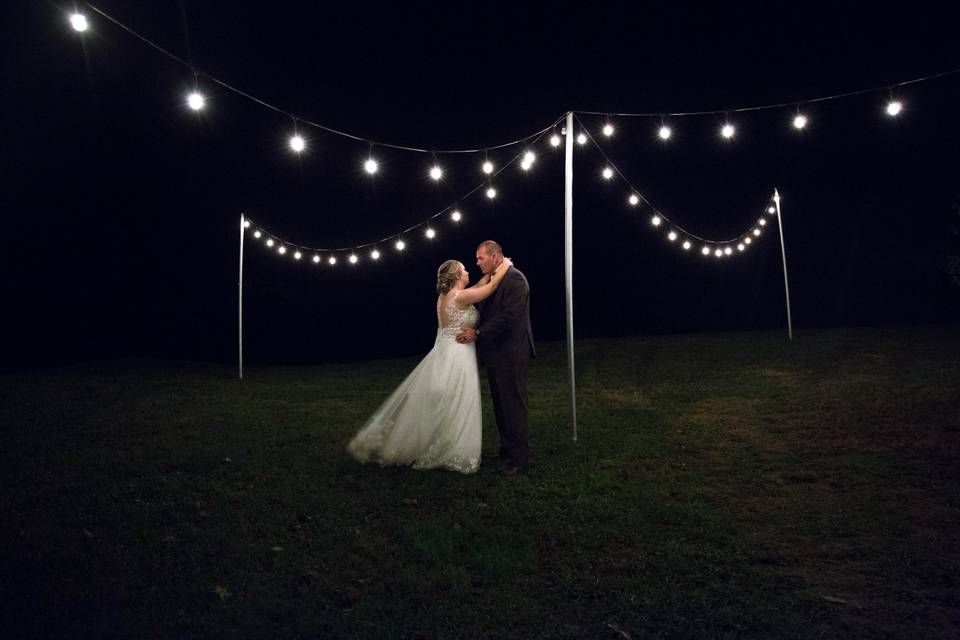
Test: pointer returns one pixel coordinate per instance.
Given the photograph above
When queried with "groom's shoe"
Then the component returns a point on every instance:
(512, 471)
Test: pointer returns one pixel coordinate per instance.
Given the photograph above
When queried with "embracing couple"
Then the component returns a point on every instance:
(432, 420)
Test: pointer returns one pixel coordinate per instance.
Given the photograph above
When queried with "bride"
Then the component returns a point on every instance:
(432, 420)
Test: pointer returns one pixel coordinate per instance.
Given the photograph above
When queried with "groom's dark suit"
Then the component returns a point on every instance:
(505, 346)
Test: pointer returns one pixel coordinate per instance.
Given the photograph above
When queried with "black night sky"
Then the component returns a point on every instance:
(121, 206)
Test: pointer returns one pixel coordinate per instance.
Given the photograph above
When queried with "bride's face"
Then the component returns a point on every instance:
(464, 276)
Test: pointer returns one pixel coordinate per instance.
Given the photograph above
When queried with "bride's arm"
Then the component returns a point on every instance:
(482, 292)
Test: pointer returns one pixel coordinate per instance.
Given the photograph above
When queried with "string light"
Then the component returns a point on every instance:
(436, 172)
(488, 167)
(79, 22)
(297, 143)
(799, 121)
(353, 259)
(741, 247)
(718, 253)
(374, 255)
(401, 245)
(756, 232)
(270, 242)
(727, 250)
(608, 173)
(555, 140)
(332, 260)
(491, 193)
(672, 236)
(762, 222)
(656, 220)
(686, 245)
(705, 250)
(633, 199)
(456, 216)
(665, 132)
(371, 166)
(297, 255)
(316, 258)
(727, 131)
(196, 101)
(282, 250)
(246, 224)
(257, 234)
(430, 233)
(608, 129)
(894, 107)
(581, 139)
(772, 210)
(528, 159)
(747, 240)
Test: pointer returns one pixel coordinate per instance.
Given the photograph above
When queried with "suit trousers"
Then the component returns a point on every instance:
(508, 388)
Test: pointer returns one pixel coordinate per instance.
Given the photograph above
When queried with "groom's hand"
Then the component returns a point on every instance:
(467, 335)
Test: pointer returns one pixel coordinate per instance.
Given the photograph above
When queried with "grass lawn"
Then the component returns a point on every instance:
(723, 486)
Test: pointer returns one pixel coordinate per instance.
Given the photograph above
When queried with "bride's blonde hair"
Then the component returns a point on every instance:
(447, 275)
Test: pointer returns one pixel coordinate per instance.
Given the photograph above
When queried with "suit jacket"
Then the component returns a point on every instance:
(506, 337)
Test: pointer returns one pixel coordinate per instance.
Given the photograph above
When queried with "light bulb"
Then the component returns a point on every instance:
(491, 193)
(79, 22)
(270, 242)
(740, 247)
(727, 250)
(353, 259)
(555, 140)
(656, 220)
(430, 233)
(375, 255)
(747, 240)
(634, 200)
(756, 232)
(665, 133)
(297, 255)
(718, 253)
(762, 222)
(608, 130)
(456, 216)
(436, 172)
(894, 107)
(246, 224)
(687, 245)
(672, 236)
(282, 250)
(257, 234)
(401, 245)
(297, 143)
(800, 121)
(196, 101)
(582, 139)
(316, 258)
(608, 173)
(772, 210)
(332, 260)
(371, 166)
(488, 167)
(705, 250)
(727, 131)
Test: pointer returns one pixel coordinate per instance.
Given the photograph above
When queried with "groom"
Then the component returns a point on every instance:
(505, 345)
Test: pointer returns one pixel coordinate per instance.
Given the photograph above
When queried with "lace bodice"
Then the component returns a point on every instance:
(452, 318)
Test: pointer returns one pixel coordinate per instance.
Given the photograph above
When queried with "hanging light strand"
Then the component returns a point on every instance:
(659, 220)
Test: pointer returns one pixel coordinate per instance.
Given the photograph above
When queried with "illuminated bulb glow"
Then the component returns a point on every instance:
(79, 22)
(270, 242)
(456, 215)
(762, 222)
(747, 240)
(608, 130)
(608, 173)
(401, 245)
(894, 107)
(740, 247)
(436, 172)
(297, 143)
(297, 255)
(375, 255)
(282, 250)
(718, 253)
(526, 165)
(581, 139)
(800, 121)
(555, 140)
(634, 200)
(196, 101)
(371, 166)
(687, 245)
(257, 234)
(728, 250)
(431, 233)
(246, 224)
(665, 133)
(772, 210)
(705, 251)
(672, 236)
(656, 220)
(488, 167)
(491, 193)
(353, 259)
(332, 260)
(756, 232)
(529, 157)
(728, 131)
(316, 258)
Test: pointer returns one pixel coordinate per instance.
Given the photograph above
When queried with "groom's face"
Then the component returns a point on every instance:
(487, 262)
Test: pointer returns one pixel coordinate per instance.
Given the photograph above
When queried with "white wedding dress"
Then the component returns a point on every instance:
(432, 420)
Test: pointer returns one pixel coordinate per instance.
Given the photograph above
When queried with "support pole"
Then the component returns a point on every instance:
(243, 229)
(783, 251)
(568, 268)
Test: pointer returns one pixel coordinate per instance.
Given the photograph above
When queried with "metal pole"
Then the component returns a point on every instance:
(568, 267)
(783, 251)
(243, 223)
